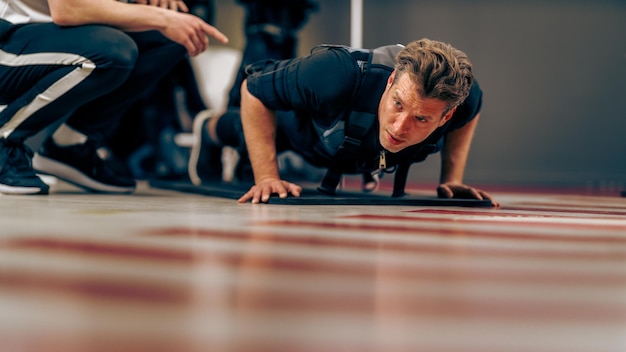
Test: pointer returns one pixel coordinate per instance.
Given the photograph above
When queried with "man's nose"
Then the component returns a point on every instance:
(401, 123)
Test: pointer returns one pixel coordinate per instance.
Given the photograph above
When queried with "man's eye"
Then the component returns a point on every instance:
(397, 104)
(420, 119)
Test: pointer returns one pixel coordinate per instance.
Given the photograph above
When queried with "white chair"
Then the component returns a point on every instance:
(215, 71)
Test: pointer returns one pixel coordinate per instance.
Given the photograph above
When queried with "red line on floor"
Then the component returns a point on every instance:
(539, 212)
(321, 266)
(418, 227)
(251, 300)
(509, 222)
(136, 252)
(88, 247)
(117, 289)
(382, 245)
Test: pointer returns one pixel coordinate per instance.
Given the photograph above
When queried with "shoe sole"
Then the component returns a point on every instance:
(71, 175)
(14, 190)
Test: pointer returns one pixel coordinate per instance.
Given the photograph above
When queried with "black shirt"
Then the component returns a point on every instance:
(315, 93)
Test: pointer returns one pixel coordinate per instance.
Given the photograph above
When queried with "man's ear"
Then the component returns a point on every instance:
(392, 76)
(447, 117)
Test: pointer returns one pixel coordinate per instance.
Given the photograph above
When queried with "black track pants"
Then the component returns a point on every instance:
(88, 75)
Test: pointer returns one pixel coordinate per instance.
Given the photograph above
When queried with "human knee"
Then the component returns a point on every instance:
(123, 52)
(229, 129)
(111, 48)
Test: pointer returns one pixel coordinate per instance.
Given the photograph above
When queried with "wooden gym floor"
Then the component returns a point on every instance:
(166, 271)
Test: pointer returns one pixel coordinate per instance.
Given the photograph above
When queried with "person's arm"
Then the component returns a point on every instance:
(176, 5)
(183, 28)
(259, 127)
(453, 161)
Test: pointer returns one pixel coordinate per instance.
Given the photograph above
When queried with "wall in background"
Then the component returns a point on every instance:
(553, 74)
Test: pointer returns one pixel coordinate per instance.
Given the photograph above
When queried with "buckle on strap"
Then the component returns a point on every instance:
(349, 143)
(330, 182)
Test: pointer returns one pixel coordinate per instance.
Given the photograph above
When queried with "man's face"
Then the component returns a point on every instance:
(405, 117)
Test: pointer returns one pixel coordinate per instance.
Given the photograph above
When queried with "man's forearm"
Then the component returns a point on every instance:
(259, 127)
(128, 17)
(456, 151)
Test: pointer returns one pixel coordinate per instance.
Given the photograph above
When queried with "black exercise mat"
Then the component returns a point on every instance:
(314, 197)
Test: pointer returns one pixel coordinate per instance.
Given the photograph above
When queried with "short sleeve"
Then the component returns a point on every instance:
(468, 110)
(321, 83)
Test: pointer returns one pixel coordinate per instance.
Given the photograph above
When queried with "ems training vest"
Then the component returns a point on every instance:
(361, 117)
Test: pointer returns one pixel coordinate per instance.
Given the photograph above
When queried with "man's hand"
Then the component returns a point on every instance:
(262, 191)
(191, 32)
(458, 190)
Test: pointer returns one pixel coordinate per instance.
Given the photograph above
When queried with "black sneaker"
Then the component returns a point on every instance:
(205, 159)
(85, 165)
(16, 172)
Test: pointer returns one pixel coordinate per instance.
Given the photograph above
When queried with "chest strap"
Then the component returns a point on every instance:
(357, 126)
